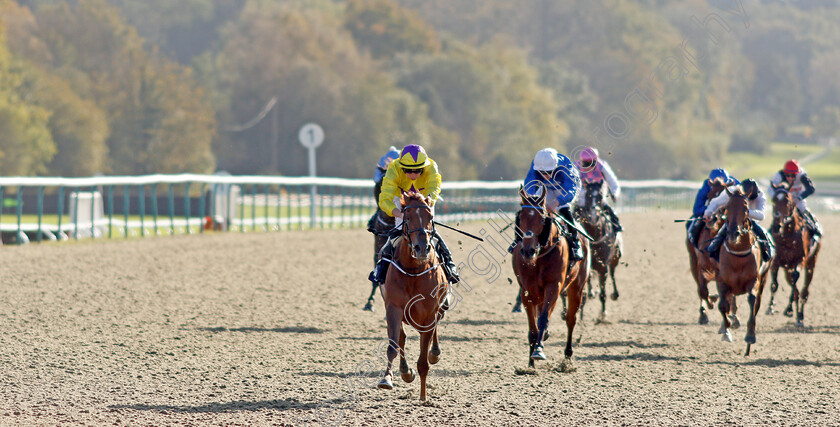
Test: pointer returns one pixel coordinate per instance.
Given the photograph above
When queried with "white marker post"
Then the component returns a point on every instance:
(311, 136)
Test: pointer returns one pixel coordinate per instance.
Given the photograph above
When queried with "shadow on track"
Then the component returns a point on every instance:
(284, 330)
(227, 407)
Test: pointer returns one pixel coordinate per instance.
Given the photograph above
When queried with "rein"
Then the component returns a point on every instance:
(742, 253)
(395, 264)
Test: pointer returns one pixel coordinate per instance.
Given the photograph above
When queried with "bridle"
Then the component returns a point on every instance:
(735, 231)
(424, 231)
(777, 216)
(530, 234)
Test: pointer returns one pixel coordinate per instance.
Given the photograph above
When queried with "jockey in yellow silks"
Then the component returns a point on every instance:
(412, 171)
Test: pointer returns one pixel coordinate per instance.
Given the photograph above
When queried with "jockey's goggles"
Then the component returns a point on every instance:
(408, 171)
(788, 175)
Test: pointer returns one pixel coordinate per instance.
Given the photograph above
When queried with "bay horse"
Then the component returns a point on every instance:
(795, 249)
(542, 268)
(605, 248)
(703, 267)
(741, 270)
(414, 291)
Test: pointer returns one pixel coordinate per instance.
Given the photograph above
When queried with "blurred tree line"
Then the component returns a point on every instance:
(162, 86)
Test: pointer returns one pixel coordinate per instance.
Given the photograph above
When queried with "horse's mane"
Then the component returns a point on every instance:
(738, 191)
(537, 200)
(413, 196)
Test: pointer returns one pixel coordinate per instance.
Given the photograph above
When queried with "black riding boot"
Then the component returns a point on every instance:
(446, 259)
(372, 223)
(517, 234)
(694, 230)
(813, 226)
(768, 247)
(614, 218)
(714, 247)
(385, 254)
(575, 251)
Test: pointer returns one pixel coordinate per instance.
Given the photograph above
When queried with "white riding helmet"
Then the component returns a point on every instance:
(545, 160)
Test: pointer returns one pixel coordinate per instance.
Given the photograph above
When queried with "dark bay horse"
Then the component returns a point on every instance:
(741, 270)
(541, 266)
(606, 246)
(703, 267)
(414, 292)
(795, 250)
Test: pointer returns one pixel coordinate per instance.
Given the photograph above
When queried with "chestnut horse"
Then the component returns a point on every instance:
(414, 290)
(795, 249)
(541, 266)
(741, 270)
(703, 268)
(605, 248)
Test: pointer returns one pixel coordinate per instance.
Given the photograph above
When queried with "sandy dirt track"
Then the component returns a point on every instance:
(262, 328)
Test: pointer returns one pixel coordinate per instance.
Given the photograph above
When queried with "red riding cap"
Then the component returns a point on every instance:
(791, 167)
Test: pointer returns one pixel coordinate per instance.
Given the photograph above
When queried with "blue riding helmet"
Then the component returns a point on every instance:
(720, 173)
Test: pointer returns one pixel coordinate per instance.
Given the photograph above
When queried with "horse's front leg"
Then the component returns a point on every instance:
(369, 304)
(406, 373)
(550, 299)
(733, 312)
(723, 307)
(602, 281)
(434, 352)
(531, 313)
(803, 295)
(613, 265)
(792, 276)
(774, 285)
(754, 305)
(393, 316)
(423, 360)
(574, 294)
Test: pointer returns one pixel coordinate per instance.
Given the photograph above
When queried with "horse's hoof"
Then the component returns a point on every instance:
(538, 354)
(434, 355)
(770, 311)
(704, 319)
(368, 307)
(750, 339)
(727, 336)
(517, 308)
(602, 319)
(788, 312)
(386, 383)
(566, 366)
(409, 375)
(614, 296)
(735, 321)
(800, 324)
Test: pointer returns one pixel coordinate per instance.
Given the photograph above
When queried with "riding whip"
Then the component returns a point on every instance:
(462, 232)
(585, 234)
